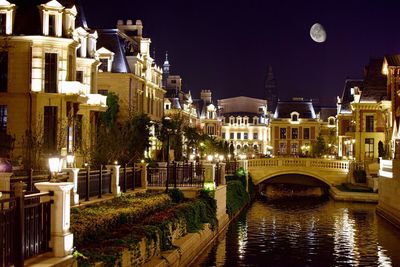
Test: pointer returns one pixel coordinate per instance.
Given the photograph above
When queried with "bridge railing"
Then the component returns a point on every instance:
(337, 165)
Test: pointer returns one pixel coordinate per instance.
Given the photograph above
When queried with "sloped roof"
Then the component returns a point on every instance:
(285, 108)
(241, 114)
(347, 97)
(375, 83)
(393, 60)
(28, 18)
(326, 112)
(113, 41)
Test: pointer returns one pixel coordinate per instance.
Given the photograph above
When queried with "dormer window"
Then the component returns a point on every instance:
(6, 17)
(255, 120)
(245, 120)
(52, 18)
(294, 117)
(231, 120)
(239, 120)
(331, 122)
(106, 58)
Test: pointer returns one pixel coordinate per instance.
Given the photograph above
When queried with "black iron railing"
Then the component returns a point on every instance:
(130, 178)
(180, 175)
(231, 167)
(93, 183)
(24, 226)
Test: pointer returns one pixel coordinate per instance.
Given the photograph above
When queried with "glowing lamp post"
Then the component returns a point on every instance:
(55, 164)
(70, 160)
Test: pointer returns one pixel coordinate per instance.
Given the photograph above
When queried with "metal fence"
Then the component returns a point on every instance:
(93, 183)
(178, 175)
(31, 177)
(130, 178)
(231, 167)
(24, 226)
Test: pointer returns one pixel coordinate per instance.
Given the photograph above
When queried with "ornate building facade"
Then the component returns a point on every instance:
(48, 94)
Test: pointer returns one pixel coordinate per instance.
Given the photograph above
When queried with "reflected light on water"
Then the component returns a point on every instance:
(344, 238)
(242, 239)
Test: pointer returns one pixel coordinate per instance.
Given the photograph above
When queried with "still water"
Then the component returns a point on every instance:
(306, 233)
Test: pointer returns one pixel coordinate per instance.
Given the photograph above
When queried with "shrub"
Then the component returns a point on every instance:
(360, 176)
(236, 197)
(176, 195)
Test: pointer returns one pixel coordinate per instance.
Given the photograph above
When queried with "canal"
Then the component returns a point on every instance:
(307, 232)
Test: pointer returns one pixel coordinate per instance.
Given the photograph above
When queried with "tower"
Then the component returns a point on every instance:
(165, 75)
(271, 90)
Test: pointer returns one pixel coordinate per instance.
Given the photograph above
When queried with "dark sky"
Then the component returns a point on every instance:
(226, 46)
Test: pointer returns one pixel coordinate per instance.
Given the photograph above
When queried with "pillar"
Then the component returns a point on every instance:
(143, 174)
(5, 181)
(209, 175)
(61, 239)
(222, 173)
(73, 178)
(115, 189)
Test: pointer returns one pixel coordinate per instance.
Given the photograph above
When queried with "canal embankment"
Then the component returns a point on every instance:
(340, 195)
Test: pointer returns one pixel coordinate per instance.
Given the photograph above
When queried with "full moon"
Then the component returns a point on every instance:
(317, 33)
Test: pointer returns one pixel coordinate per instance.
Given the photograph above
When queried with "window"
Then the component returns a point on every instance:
(295, 133)
(105, 92)
(210, 130)
(369, 148)
(3, 23)
(331, 121)
(294, 117)
(369, 123)
(231, 120)
(50, 129)
(255, 136)
(50, 73)
(223, 135)
(282, 148)
(3, 71)
(255, 120)
(293, 148)
(104, 64)
(52, 25)
(306, 133)
(78, 131)
(282, 133)
(231, 136)
(3, 118)
(245, 121)
(239, 136)
(245, 136)
(173, 81)
(79, 76)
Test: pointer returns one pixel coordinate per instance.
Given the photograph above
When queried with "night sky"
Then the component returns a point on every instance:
(227, 46)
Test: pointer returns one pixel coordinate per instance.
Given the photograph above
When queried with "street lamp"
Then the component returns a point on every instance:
(70, 160)
(55, 164)
(169, 133)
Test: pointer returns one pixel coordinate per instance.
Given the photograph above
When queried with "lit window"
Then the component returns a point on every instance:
(50, 73)
(255, 136)
(282, 133)
(232, 136)
(293, 149)
(245, 136)
(3, 118)
(369, 123)
(6, 17)
(282, 148)
(3, 23)
(369, 148)
(239, 136)
(306, 134)
(295, 133)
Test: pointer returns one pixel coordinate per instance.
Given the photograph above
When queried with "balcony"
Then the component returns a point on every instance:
(385, 168)
(74, 88)
(97, 100)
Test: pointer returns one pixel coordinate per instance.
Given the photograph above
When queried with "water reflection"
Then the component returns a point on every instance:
(306, 233)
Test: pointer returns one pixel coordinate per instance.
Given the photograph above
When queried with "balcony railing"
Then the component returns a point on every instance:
(97, 99)
(73, 88)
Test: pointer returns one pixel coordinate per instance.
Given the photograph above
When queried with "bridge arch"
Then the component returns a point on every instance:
(285, 177)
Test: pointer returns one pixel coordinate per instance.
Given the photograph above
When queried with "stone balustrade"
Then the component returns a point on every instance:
(301, 162)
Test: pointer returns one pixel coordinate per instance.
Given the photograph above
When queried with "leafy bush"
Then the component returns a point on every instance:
(236, 197)
(176, 195)
(92, 223)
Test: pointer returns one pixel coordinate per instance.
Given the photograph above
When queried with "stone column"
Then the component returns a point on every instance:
(143, 174)
(115, 189)
(62, 240)
(5, 182)
(209, 175)
(73, 178)
(222, 178)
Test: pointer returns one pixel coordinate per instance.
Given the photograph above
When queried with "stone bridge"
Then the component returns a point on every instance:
(330, 172)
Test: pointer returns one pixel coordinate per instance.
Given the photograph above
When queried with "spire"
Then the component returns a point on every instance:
(271, 90)
(166, 66)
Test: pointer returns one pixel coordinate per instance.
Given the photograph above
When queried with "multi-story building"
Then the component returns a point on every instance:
(362, 118)
(245, 125)
(128, 70)
(295, 127)
(48, 65)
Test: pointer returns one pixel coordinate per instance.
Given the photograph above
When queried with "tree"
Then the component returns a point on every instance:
(6, 144)
(192, 138)
(109, 118)
(319, 146)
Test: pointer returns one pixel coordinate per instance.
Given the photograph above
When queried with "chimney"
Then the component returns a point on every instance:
(120, 22)
(139, 27)
(205, 95)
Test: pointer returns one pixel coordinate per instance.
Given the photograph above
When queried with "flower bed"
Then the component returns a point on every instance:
(93, 223)
(135, 242)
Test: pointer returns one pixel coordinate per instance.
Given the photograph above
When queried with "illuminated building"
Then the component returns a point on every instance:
(245, 125)
(48, 78)
(363, 115)
(128, 70)
(295, 127)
